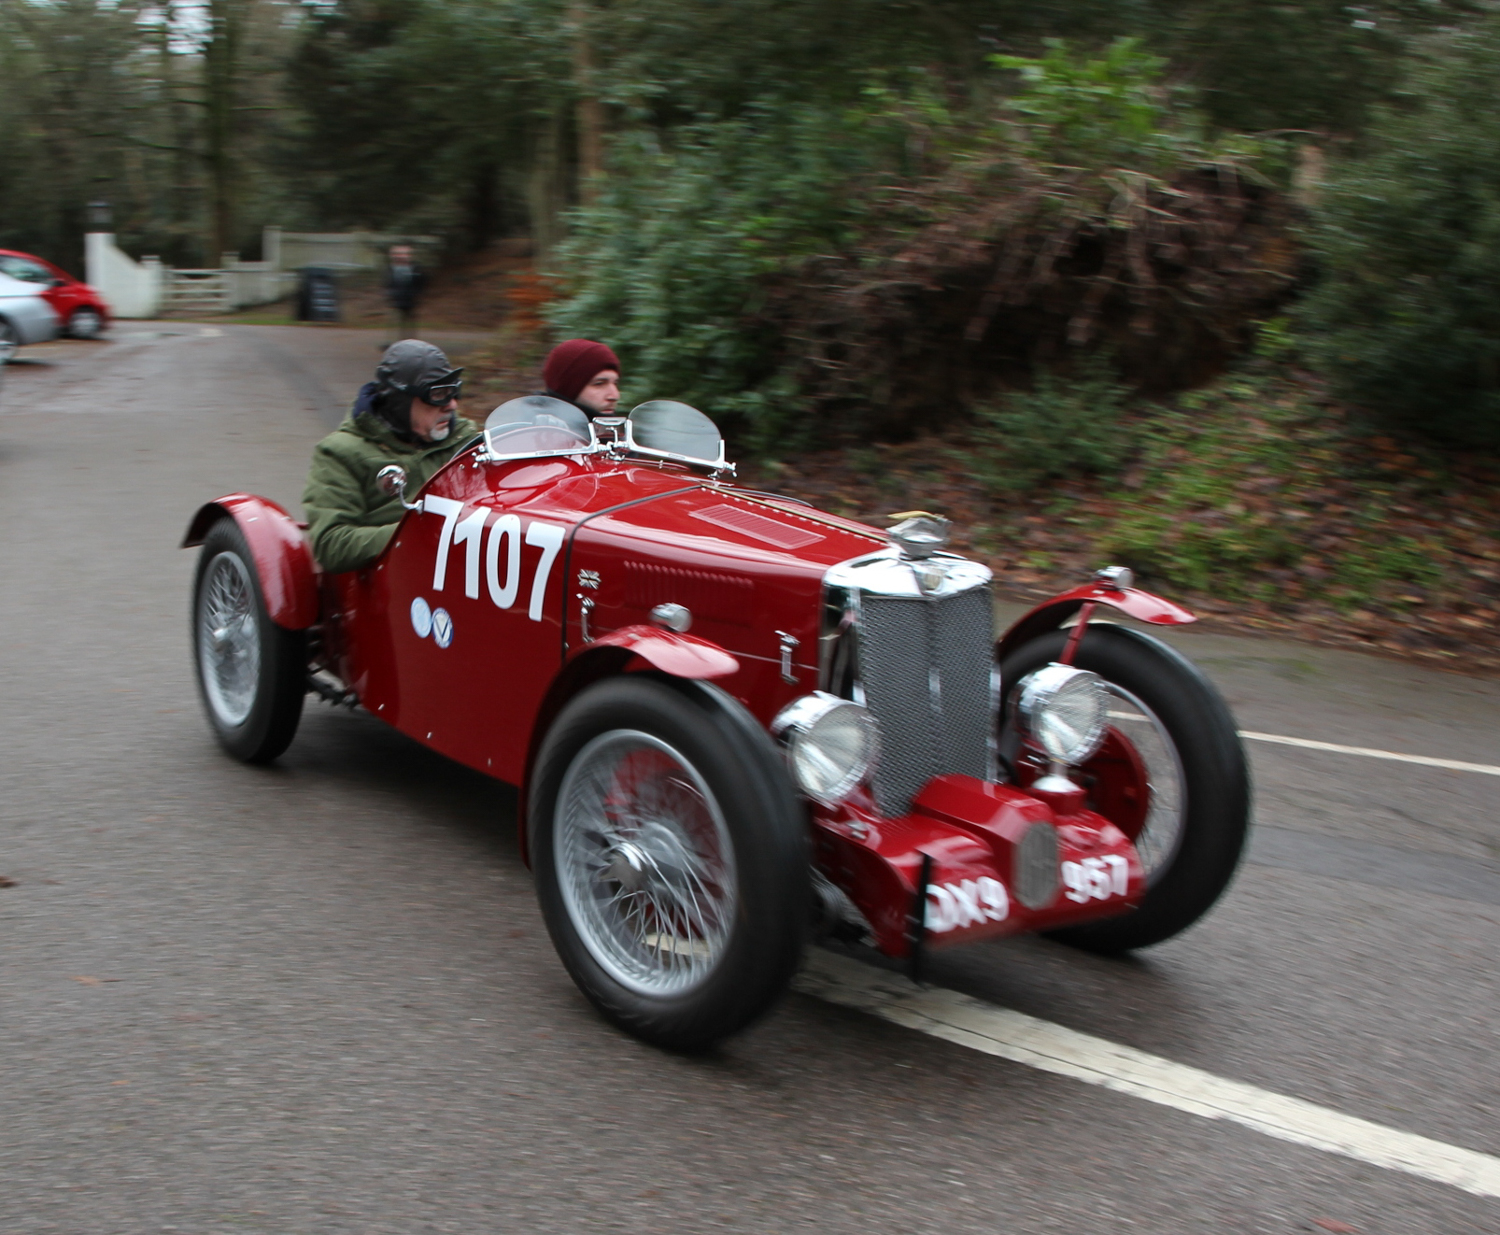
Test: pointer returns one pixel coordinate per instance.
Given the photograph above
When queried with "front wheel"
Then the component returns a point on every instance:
(252, 673)
(86, 324)
(1174, 730)
(671, 858)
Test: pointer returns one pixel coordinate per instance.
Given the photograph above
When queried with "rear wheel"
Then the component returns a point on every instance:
(86, 324)
(10, 340)
(1172, 735)
(252, 673)
(670, 859)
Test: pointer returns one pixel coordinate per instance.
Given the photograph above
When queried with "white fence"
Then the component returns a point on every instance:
(197, 291)
(146, 288)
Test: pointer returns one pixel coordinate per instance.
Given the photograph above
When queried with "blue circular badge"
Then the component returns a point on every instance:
(421, 618)
(442, 628)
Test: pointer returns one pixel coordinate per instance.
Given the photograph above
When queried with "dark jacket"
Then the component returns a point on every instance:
(350, 521)
(404, 286)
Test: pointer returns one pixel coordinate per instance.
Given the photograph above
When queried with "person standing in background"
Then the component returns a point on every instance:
(404, 281)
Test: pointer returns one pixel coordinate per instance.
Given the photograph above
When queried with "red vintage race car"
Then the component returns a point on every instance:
(737, 721)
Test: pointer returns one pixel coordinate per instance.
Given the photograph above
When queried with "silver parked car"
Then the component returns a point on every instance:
(24, 316)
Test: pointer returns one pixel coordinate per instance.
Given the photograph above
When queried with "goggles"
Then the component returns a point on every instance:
(442, 390)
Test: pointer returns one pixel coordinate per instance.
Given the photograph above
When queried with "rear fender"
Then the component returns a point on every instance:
(631, 649)
(288, 578)
(1132, 602)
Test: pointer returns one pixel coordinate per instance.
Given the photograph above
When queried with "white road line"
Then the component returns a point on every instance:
(1453, 765)
(1052, 1048)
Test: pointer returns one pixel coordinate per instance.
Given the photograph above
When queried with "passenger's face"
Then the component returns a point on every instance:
(602, 393)
(400, 255)
(425, 418)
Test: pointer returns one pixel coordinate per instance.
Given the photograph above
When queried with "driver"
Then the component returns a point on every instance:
(585, 374)
(407, 415)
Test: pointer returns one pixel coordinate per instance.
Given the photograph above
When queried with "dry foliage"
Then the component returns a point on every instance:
(1005, 265)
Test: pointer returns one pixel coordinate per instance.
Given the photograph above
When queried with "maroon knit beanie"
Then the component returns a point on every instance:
(573, 365)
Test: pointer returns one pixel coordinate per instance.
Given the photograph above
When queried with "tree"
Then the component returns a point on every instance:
(1406, 315)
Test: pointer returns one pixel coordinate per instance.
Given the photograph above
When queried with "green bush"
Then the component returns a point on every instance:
(1058, 428)
(1406, 316)
(670, 267)
(1188, 521)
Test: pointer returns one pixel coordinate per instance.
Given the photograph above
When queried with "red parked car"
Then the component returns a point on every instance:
(81, 310)
(737, 721)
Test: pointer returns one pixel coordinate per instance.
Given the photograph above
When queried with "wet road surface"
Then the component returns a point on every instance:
(318, 997)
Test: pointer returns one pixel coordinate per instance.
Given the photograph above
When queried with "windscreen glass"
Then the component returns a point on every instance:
(676, 429)
(536, 425)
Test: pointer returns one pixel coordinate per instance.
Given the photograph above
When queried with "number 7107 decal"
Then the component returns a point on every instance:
(501, 552)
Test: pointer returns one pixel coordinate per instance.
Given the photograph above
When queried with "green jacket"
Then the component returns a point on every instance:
(349, 520)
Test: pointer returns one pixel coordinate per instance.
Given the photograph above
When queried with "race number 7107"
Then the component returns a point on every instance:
(502, 553)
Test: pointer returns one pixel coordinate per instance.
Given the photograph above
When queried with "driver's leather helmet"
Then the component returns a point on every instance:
(405, 368)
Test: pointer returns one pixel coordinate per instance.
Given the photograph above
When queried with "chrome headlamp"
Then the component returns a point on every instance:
(830, 742)
(1065, 710)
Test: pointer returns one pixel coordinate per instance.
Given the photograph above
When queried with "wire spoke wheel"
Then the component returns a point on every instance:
(671, 857)
(1175, 742)
(1160, 836)
(229, 639)
(645, 863)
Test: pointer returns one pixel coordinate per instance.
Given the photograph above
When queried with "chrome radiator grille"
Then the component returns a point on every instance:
(924, 663)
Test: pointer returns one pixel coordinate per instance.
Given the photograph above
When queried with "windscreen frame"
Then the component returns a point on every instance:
(538, 405)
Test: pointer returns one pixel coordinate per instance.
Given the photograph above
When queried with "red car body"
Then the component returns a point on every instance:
(71, 299)
(599, 542)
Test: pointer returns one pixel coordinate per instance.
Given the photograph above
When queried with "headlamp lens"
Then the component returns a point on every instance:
(831, 744)
(1065, 710)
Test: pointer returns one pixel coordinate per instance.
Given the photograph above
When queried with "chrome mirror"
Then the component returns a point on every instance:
(391, 480)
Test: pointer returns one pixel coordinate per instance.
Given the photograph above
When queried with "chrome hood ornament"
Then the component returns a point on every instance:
(919, 535)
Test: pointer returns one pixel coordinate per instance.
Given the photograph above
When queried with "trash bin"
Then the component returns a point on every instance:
(317, 295)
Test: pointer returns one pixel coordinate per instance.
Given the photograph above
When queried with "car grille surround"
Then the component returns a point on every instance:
(925, 639)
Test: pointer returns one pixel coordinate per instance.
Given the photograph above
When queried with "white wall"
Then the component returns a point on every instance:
(132, 289)
(336, 250)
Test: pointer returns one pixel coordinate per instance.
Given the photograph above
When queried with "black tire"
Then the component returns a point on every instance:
(252, 678)
(10, 341)
(745, 947)
(1215, 815)
(86, 323)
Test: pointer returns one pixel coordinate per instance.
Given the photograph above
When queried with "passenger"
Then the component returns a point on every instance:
(407, 415)
(585, 374)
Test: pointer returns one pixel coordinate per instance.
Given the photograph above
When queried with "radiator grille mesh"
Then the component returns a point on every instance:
(925, 667)
(1035, 875)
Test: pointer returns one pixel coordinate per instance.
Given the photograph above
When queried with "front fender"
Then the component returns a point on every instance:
(629, 649)
(288, 578)
(1051, 614)
(683, 656)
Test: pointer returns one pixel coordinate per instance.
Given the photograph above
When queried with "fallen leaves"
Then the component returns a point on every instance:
(1329, 590)
(7, 882)
(1334, 1225)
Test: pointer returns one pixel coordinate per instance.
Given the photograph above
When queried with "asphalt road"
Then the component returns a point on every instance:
(318, 997)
